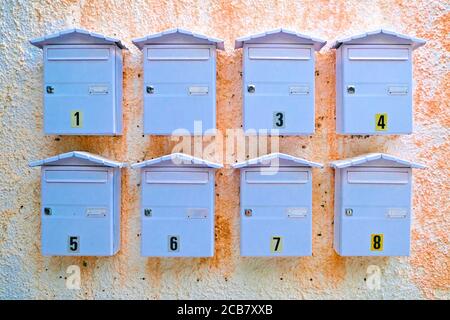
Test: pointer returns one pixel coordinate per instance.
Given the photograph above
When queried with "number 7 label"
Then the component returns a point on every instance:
(276, 244)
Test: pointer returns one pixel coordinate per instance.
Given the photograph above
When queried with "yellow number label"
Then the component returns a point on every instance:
(376, 242)
(381, 122)
(276, 244)
(76, 119)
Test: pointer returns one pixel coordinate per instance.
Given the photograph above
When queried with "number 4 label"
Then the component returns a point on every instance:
(276, 244)
(76, 119)
(381, 122)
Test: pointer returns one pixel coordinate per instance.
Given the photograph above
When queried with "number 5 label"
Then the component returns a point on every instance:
(76, 119)
(376, 242)
(276, 244)
(381, 122)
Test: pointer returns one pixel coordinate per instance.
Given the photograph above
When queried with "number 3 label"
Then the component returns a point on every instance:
(76, 119)
(381, 122)
(376, 242)
(276, 244)
(278, 119)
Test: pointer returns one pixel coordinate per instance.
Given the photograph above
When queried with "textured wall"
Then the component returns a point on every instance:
(24, 273)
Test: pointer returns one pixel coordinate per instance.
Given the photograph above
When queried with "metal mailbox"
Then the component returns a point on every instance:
(177, 206)
(82, 83)
(373, 213)
(179, 82)
(374, 83)
(276, 206)
(278, 81)
(80, 205)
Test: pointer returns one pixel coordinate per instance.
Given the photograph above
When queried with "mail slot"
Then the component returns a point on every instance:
(177, 206)
(374, 83)
(373, 205)
(179, 82)
(278, 82)
(82, 83)
(80, 213)
(276, 206)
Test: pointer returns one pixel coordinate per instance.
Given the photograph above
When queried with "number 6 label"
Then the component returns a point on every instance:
(174, 243)
(76, 119)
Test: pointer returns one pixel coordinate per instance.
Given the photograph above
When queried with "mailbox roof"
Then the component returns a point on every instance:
(286, 161)
(75, 36)
(80, 155)
(177, 36)
(280, 36)
(177, 160)
(365, 158)
(380, 36)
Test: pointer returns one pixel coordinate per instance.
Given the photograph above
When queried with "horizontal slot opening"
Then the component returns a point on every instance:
(75, 176)
(66, 54)
(176, 177)
(378, 177)
(178, 54)
(279, 53)
(278, 178)
(378, 54)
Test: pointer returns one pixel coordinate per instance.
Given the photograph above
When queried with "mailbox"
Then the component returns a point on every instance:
(276, 206)
(177, 206)
(372, 214)
(179, 82)
(80, 205)
(278, 81)
(82, 83)
(374, 83)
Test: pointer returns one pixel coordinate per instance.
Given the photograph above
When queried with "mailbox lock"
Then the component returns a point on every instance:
(50, 89)
(150, 89)
(348, 212)
(351, 89)
(148, 212)
(47, 211)
(251, 88)
(248, 212)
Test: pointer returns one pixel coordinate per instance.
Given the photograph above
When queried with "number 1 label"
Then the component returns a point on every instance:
(76, 119)
(276, 244)
(381, 122)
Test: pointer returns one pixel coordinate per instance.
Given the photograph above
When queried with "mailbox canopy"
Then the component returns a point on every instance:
(373, 205)
(82, 87)
(80, 214)
(276, 205)
(177, 206)
(374, 83)
(380, 36)
(280, 36)
(177, 36)
(279, 82)
(179, 82)
(75, 36)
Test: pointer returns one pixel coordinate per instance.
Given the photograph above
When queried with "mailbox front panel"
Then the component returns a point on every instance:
(81, 89)
(376, 89)
(179, 88)
(279, 221)
(279, 88)
(375, 203)
(177, 212)
(77, 211)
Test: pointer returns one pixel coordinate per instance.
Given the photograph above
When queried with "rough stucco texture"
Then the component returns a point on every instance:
(25, 273)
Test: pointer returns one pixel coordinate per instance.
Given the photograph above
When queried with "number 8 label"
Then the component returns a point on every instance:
(376, 242)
